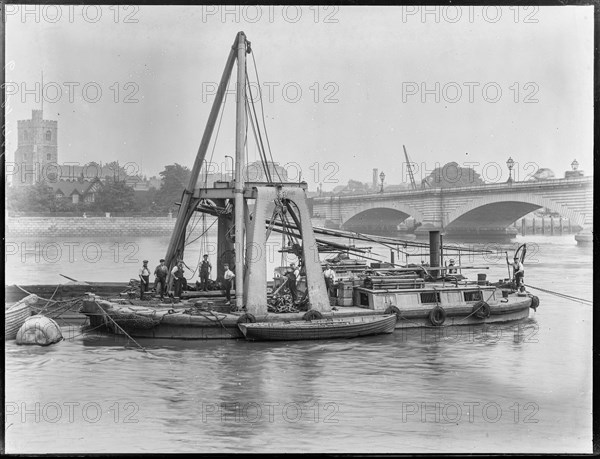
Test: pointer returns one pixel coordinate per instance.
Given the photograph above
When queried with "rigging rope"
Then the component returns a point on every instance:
(195, 222)
(261, 153)
(215, 221)
(259, 142)
(216, 137)
(263, 116)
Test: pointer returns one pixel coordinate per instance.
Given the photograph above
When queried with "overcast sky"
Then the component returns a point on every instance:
(347, 86)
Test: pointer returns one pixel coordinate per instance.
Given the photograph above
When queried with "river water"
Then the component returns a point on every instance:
(499, 389)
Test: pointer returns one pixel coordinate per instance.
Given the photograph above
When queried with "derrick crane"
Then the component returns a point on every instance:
(410, 171)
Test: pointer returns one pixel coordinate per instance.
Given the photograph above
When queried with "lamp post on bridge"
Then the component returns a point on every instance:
(574, 172)
(510, 164)
(382, 177)
(574, 165)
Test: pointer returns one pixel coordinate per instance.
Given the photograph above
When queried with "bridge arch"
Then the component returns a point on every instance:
(402, 210)
(519, 205)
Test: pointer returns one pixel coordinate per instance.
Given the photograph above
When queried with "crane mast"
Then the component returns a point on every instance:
(410, 171)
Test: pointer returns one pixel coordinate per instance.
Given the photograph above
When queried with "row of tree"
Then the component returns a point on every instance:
(114, 196)
(117, 197)
(450, 175)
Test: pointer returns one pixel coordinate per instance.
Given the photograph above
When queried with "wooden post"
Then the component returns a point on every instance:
(225, 249)
(533, 225)
(560, 227)
(256, 272)
(551, 225)
(240, 140)
(392, 256)
(543, 226)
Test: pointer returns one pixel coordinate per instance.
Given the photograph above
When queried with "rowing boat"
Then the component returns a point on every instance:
(15, 316)
(346, 327)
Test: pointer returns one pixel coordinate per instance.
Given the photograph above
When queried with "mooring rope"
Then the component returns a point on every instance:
(87, 330)
(48, 299)
(48, 302)
(120, 328)
(217, 319)
(561, 295)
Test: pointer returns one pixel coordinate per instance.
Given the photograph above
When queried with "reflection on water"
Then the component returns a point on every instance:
(522, 387)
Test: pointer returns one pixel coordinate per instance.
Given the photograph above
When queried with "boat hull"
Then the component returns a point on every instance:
(517, 308)
(219, 325)
(13, 293)
(320, 329)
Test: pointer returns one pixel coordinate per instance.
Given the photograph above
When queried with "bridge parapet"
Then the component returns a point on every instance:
(507, 187)
(439, 207)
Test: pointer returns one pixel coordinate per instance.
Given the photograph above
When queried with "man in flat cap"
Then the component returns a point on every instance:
(205, 270)
(160, 278)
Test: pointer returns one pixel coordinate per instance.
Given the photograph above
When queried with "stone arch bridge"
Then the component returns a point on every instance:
(492, 207)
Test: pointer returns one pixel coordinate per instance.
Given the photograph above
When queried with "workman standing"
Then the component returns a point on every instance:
(177, 278)
(227, 282)
(144, 279)
(205, 270)
(518, 273)
(451, 268)
(329, 275)
(291, 283)
(296, 272)
(160, 278)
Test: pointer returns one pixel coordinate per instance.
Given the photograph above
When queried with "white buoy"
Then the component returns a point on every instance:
(39, 330)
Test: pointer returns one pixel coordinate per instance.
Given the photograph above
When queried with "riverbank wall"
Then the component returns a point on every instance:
(90, 226)
(48, 226)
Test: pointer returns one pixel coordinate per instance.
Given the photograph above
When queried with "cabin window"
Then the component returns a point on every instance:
(473, 296)
(430, 297)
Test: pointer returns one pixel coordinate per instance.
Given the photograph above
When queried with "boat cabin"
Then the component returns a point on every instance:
(423, 295)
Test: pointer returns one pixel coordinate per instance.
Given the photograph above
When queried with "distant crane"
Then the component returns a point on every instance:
(410, 171)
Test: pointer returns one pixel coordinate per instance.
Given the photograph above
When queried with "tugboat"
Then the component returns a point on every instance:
(372, 300)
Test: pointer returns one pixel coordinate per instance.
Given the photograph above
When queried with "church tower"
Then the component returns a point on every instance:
(37, 147)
